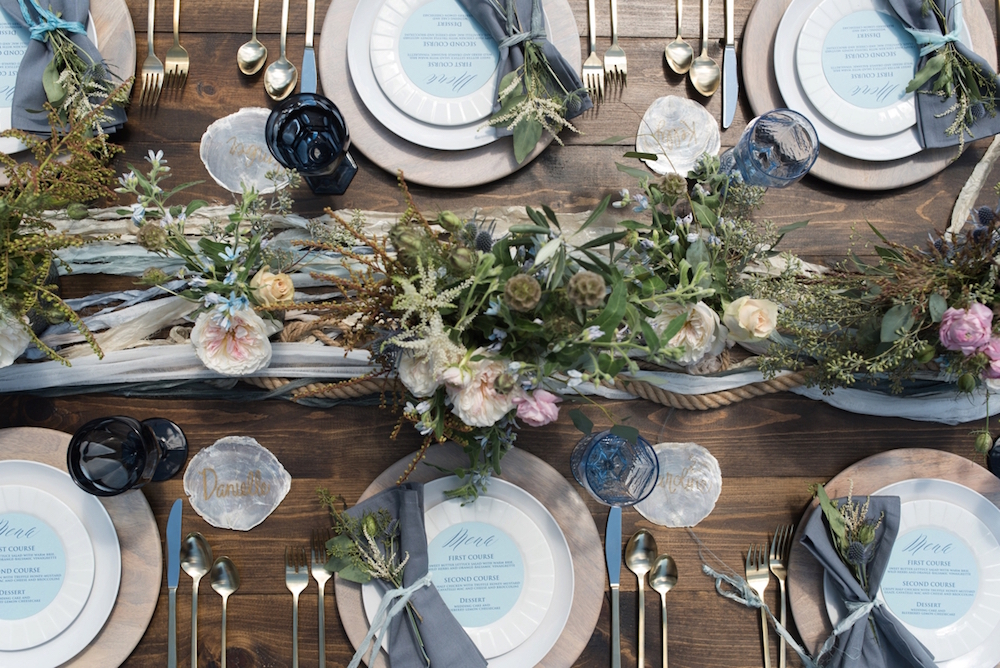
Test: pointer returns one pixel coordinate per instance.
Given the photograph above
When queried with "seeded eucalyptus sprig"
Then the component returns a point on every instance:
(957, 76)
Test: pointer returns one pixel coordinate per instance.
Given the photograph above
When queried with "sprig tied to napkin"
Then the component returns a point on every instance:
(388, 529)
(956, 88)
(61, 67)
(537, 90)
(852, 542)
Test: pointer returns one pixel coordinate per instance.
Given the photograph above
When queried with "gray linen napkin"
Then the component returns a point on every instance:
(27, 111)
(858, 648)
(485, 12)
(931, 129)
(446, 643)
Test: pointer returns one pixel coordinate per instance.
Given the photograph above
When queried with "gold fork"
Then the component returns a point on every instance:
(178, 60)
(152, 68)
(322, 576)
(781, 544)
(296, 580)
(615, 65)
(593, 69)
(758, 577)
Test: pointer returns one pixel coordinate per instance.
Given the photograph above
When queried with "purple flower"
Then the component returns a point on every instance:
(538, 409)
(992, 352)
(967, 330)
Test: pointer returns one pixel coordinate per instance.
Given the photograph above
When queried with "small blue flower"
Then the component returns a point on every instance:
(155, 158)
(692, 237)
(231, 254)
(642, 203)
(685, 221)
(625, 199)
(672, 239)
(575, 378)
(647, 244)
(494, 308)
(138, 214)
(199, 282)
(230, 278)
(498, 335)
(592, 332)
(128, 180)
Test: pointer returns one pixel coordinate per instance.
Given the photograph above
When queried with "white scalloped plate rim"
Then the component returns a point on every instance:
(78, 578)
(402, 91)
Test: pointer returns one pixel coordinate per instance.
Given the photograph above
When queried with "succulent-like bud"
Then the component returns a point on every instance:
(450, 222)
(77, 211)
(925, 354)
(522, 293)
(462, 260)
(369, 525)
(409, 242)
(674, 186)
(586, 289)
(152, 237)
(966, 382)
(505, 383)
(154, 276)
(983, 442)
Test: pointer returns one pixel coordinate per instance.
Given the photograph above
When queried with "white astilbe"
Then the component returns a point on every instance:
(549, 112)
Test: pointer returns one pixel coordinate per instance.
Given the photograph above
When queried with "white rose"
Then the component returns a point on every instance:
(750, 319)
(475, 399)
(14, 337)
(272, 289)
(238, 350)
(417, 374)
(701, 335)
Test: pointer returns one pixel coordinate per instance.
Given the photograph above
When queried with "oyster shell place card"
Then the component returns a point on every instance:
(234, 150)
(235, 483)
(688, 487)
(678, 131)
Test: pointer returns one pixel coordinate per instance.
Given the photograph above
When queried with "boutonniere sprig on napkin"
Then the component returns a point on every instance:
(537, 90)
(61, 67)
(383, 539)
(956, 88)
(852, 541)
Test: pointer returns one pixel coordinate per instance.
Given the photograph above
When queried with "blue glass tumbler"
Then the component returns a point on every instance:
(775, 150)
(307, 133)
(614, 470)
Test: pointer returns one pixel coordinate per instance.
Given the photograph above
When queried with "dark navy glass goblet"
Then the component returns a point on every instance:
(307, 133)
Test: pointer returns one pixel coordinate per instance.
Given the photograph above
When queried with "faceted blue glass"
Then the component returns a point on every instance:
(615, 471)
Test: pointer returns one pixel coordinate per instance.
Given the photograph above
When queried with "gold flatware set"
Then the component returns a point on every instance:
(761, 564)
(298, 567)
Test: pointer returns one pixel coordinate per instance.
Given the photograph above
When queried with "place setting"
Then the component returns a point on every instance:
(848, 67)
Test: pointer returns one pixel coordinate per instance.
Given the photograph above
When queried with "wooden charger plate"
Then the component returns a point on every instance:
(805, 575)
(544, 483)
(426, 166)
(757, 52)
(142, 563)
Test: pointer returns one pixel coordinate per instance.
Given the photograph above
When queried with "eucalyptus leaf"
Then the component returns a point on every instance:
(897, 319)
(930, 68)
(526, 136)
(937, 305)
(54, 91)
(630, 434)
(581, 421)
(832, 514)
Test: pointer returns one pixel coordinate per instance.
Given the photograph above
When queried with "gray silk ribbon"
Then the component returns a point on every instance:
(932, 117)
(28, 110)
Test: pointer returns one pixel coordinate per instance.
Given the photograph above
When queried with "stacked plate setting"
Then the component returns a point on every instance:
(60, 565)
(845, 64)
(426, 70)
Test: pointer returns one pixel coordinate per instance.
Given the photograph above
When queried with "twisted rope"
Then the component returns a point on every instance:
(362, 388)
(702, 402)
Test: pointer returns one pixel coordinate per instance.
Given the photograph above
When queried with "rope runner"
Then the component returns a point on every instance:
(50, 22)
(702, 402)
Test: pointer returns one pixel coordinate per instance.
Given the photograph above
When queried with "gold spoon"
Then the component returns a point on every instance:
(679, 53)
(196, 557)
(705, 73)
(662, 579)
(251, 56)
(281, 76)
(225, 580)
(639, 554)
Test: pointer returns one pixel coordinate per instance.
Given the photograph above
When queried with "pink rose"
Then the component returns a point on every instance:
(992, 352)
(539, 409)
(966, 330)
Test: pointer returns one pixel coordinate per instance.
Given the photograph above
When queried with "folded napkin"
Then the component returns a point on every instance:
(929, 106)
(858, 647)
(28, 111)
(446, 643)
(530, 25)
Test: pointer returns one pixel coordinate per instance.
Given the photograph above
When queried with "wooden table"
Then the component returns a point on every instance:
(769, 448)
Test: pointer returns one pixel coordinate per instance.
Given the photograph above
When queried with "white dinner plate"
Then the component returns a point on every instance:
(547, 621)
(968, 635)
(13, 44)
(890, 147)
(107, 560)
(854, 60)
(46, 558)
(434, 61)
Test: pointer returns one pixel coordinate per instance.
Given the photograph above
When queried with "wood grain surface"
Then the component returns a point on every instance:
(138, 536)
(769, 449)
(764, 95)
(534, 476)
(805, 575)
